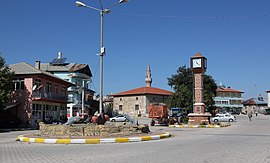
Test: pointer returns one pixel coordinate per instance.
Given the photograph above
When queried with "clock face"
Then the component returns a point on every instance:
(197, 63)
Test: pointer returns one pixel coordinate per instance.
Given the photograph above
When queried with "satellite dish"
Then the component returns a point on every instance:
(34, 88)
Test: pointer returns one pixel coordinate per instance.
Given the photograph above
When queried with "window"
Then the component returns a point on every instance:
(34, 113)
(48, 87)
(37, 83)
(136, 107)
(164, 99)
(39, 107)
(70, 98)
(36, 110)
(18, 84)
(64, 90)
(120, 99)
(78, 82)
(56, 89)
(120, 107)
(55, 108)
(137, 98)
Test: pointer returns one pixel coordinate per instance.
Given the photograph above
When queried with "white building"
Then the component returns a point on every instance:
(268, 97)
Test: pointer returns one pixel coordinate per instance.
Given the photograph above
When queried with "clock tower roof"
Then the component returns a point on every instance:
(198, 55)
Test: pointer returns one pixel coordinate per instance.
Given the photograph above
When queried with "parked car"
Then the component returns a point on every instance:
(224, 118)
(119, 118)
(234, 113)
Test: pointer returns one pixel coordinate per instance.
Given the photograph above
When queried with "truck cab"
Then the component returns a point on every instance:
(176, 114)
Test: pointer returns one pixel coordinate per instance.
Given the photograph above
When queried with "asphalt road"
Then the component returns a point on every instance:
(245, 141)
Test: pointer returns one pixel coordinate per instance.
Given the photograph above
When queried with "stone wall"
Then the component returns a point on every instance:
(128, 103)
(109, 129)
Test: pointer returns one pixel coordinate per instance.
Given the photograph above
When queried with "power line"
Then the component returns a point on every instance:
(194, 17)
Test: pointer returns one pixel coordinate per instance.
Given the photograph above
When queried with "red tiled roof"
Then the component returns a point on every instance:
(144, 90)
(228, 90)
(198, 55)
(250, 102)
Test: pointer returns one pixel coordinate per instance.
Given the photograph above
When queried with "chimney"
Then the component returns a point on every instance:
(59, 55)
(37, 64)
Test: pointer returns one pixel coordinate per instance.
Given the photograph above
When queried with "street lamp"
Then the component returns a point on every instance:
(102, 49)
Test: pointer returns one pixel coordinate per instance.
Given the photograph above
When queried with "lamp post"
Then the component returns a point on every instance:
(102, 48)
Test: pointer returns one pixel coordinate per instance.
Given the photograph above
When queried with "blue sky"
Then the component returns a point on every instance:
(233, 35)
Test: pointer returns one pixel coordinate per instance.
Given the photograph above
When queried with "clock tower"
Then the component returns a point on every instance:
(198, 64)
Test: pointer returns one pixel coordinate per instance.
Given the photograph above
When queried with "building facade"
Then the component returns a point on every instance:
(37, 96)
(268, 97)
(229, 100)
(136, 101)
(255, 104)
(79, 96)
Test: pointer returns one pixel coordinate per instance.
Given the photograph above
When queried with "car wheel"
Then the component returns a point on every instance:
(126, 120)
(230, 120)
(113, 120)
(215, 120)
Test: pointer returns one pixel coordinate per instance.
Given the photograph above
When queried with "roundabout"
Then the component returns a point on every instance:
(117, 132)
(23, 138)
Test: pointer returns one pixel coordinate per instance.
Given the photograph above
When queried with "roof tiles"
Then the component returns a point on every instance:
(143, 91)
(228, 90)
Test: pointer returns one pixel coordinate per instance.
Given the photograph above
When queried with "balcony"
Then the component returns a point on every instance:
(49, 96)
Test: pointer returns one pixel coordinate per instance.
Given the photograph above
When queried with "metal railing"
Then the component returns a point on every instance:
(49, 95)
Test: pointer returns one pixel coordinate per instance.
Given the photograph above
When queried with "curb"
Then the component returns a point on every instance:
(93, 141)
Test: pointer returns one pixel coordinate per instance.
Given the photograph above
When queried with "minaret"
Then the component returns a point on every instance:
(148, 78)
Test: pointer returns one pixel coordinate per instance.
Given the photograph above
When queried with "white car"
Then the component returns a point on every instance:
(119, 118)
(224, 118)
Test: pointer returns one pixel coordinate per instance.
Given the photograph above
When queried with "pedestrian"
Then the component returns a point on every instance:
(249, 115)
(101, 119)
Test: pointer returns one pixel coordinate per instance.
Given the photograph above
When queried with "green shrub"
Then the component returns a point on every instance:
(185, 120)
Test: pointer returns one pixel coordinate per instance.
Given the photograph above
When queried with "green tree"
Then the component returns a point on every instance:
(109, 109)
(5, 82)
(182, 84)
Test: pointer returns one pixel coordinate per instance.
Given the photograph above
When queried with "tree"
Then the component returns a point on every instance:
(182, 84)
(5, 82)
(109, 109)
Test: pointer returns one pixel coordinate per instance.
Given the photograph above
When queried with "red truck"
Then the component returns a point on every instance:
(159, 114)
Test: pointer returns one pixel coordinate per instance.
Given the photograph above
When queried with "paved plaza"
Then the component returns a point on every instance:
(244, 141)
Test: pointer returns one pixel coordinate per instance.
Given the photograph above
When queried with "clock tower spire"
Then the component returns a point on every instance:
(148, 78)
